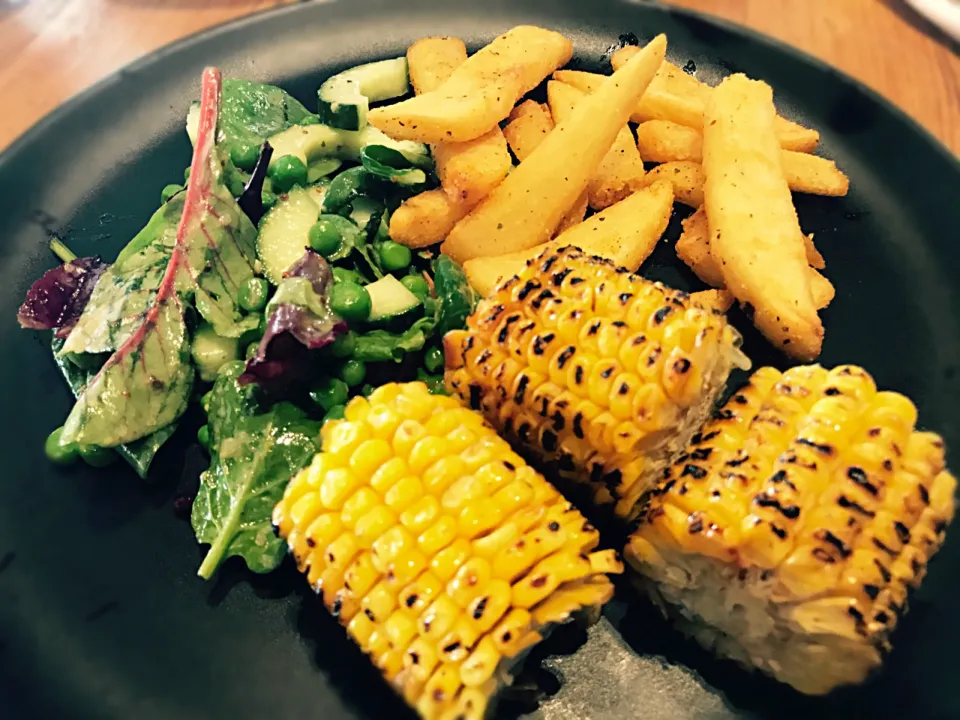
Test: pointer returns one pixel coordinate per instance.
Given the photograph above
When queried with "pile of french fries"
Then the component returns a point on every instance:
(722, 151)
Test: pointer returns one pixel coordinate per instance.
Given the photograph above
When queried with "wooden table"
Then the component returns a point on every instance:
(51, 49)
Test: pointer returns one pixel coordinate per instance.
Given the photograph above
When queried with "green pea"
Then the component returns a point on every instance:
(325, 237)
(394, 256)
(96, 456)
(286, 172)
(433, 360)
(251, 350)
(203, 436)
(330, 393)
(169, 191)
(268, 199)
(244, 155)
(310, 120)
(343, 345)
(335, 413)
(343, 275)
(235, 183)
(417, 285)
(350, 301)
(253, 294)
(58, 452)
(434, 383)
(367, 390)
(353, 372)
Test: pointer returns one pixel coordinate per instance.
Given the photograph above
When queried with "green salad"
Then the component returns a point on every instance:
(264, 292)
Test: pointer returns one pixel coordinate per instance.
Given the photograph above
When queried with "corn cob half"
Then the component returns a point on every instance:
(595, 370)
(788, 534)
(443, 554)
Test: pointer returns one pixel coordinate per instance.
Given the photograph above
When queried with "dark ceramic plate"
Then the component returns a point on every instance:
(101, 614)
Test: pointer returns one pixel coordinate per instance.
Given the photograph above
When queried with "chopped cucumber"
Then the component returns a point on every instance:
(344, 99)
(285, 231)
(322, 168)
(312, 142)
(318, 192)
(211, 351)
(362, 211)
(389, 298)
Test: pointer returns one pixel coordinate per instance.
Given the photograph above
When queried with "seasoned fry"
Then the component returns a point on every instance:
(468, 171)
(693, 248)
(481, 92)
(526, 208)
(814, 258)
(529, 123)
(687, 179)
(625, 233)
(575, 215)
(754, 231)
(790, 135)
(620, 171)
(431, 60)
(425, 219)
(665, 141)
(719, 300)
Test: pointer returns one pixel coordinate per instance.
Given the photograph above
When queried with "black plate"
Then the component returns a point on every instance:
(101, 614)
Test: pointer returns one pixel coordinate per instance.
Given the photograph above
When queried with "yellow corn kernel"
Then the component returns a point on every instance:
(341, 437)
(405, 567)
(526, 551)
(489, 606)
(569, 599)
(440, 692)
(360, 628)
(389, 545)
(337, 486)
(420, 593)
(361, 576)
(357, 410)
(443, 473)
(420, 660)
(480, 517)
(419, 516)
(401, 629)
(468, 489)
(356, 506)
(439, 618)
(373, 525)
(407, 435)
(438, 536)
(547, 576)
(426, 452)
(456, 644)
(389, 474)
(493, 543)
(446, 562)
(469, 582)
(404, 494)
(341, 552)
(369, 457)
(481, 663)
(511, 630)
(379, 602)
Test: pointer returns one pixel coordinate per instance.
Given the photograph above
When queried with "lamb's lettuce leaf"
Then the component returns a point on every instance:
(253, 456)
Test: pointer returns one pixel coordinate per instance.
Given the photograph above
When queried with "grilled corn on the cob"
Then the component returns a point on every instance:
(789, 532)
(593, 369)
(440, 550)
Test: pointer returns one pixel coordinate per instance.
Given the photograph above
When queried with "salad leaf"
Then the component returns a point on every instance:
(198, 246)
(251, 199)
(299, 320)
(57, 299)
(138, 454)
(253, 456)
(388, 164)
(381, 346)
(457, 298)
(344, 189)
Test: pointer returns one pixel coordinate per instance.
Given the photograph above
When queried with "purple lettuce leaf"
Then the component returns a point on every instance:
(56, 300)
(299, 319)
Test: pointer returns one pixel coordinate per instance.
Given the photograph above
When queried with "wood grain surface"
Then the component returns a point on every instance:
(52, 49)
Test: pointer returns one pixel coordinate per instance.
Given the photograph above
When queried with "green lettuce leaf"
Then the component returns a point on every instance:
(253, 456)
(198, 248)
(456, 297)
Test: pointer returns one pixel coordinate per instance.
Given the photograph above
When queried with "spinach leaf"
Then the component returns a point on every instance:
(139, 453)
(251, 112)
(457, 298)
(253, 456)
(388, 164)
(381, 346)
(343, 189)
(198, 247)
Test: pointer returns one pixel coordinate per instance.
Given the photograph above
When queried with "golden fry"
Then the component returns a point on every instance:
(469, 171)
(620, 171)
(481, 92)
(687, 179)
(432, 60)
(425, 219)
(529, 123)
(815, 175)
(625, 233)
(754, 231)
(719, 300)
(575, 215)
(526, 208)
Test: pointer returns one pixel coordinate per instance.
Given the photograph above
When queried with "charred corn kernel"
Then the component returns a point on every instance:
(605, 561)
(569, 599)
(590, 368)
(810, 501)
(412, 524)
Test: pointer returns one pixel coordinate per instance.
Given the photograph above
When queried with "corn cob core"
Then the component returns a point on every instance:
(595, 370)
(792, 528)
(440, 550)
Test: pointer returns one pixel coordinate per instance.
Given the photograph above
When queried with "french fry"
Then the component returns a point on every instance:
(620, 171)
(718, 300)
(665, 141)
(468, 171)
(526, 208)
(425, 219)
(576, 214)
(481, 92)
(754, 231)
(693, 248)
(687, 179)
(814, 258)
(625, 233)
(529, 123)
(432, 60)
(790, 135)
